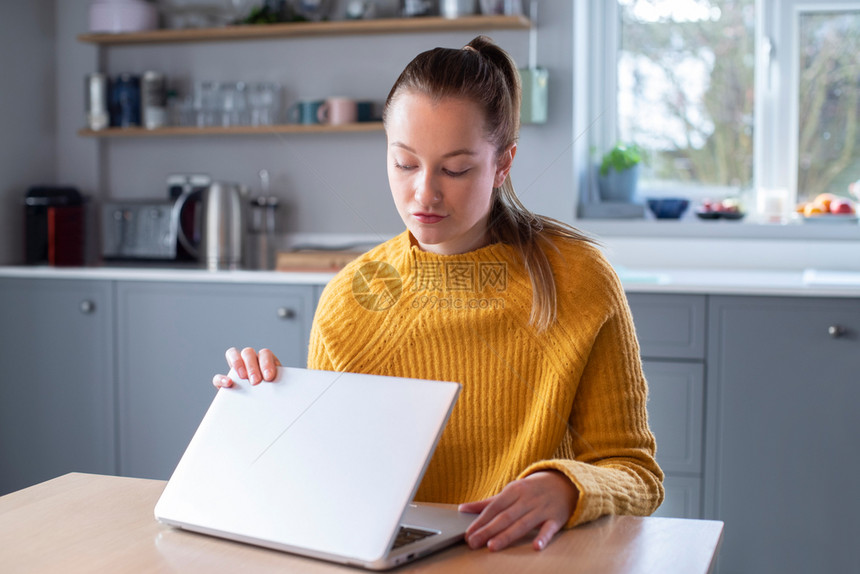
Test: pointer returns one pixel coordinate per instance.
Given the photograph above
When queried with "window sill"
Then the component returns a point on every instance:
(693, 228)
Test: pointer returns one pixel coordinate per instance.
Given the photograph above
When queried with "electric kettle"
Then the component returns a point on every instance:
(222, 241)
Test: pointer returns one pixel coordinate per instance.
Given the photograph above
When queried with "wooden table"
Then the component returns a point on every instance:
(93, 523)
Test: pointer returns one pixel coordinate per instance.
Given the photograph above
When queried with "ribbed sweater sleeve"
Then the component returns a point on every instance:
(609, 450)
(571, 399)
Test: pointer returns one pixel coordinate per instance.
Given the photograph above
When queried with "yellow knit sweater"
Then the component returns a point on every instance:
(570, 399)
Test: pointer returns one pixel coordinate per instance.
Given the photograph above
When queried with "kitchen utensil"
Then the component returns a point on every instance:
(508, 7)
(153, 96)
(223, 239)
(148, 229)
(411, 8)
(313, 10)
(114, 16)
(263, 226)
(337, 111)
(457, 8)
(142, 229)
(304, 112)
(668, 207)
(360, 9)
(369, 111)
(97, 101)
(265, 101)
(234, 104)
(125, 101)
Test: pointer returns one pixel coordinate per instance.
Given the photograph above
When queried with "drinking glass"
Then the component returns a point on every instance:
(509, 7)
(234, 104)
(265, 102)
(207, 103)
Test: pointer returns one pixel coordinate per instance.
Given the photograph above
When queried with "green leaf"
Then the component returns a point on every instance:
(620, 158)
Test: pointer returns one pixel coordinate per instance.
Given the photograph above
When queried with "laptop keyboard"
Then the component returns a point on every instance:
(408, 535)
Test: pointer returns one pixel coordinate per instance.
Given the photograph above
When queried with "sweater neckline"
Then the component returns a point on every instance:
(415, 253)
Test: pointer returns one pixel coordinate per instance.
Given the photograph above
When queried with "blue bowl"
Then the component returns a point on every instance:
(668, 207)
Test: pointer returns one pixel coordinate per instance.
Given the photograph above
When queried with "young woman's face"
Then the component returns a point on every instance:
(442, 171)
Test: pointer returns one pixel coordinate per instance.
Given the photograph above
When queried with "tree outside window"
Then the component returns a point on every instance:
(828, 103)
(685, 89)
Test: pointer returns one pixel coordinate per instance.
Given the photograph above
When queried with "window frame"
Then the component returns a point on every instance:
(775, 142)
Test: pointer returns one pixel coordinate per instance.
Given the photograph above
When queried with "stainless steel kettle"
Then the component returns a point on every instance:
(222, 243)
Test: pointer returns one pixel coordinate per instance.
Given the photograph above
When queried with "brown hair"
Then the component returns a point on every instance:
(483, 73)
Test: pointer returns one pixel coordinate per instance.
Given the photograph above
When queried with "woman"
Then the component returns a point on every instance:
(551, 427)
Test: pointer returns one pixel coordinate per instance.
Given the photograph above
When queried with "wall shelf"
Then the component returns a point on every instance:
(232, 130)
(304, 29)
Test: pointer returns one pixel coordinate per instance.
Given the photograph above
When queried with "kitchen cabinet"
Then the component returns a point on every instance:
(783, 394)
(57, 398)
(171, 341)
(671, 332)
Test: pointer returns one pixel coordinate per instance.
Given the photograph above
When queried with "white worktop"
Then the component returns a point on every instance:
(704, 281)
(187, 275)
(808, 282)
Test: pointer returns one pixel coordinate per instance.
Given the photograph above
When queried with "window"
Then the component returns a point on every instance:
(685, 90)
(828, 86)
(730, 97)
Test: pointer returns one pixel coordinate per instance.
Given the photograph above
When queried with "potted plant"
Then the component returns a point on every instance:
(619, 173)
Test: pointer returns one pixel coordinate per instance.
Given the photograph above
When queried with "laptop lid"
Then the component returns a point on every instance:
(316, 463)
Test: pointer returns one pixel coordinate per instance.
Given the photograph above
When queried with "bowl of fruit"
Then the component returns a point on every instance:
(729, 208)
(828, 208)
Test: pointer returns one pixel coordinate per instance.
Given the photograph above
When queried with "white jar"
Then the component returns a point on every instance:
(457, 8)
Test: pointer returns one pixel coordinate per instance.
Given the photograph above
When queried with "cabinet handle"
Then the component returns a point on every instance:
(87, 307)
(286, 313)
(837, 331)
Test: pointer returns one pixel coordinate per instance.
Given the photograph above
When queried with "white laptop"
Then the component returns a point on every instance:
(321, 464)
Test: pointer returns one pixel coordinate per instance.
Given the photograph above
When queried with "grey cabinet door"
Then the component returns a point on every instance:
(676, 416)
(782, 465)
(669, 326)
(172, 338)
(683, 497)
(671, 333)
(676, 413)
(57, 398)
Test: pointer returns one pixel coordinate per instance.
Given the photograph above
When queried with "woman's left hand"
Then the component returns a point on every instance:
(543, 500)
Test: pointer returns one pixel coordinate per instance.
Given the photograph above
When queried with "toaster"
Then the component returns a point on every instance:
(141, 229)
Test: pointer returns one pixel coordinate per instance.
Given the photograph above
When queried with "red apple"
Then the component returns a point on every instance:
(841, 206)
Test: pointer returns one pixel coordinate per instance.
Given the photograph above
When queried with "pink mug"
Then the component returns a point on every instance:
(337, 111)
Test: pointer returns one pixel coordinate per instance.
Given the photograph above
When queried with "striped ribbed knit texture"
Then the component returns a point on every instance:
(572, 399)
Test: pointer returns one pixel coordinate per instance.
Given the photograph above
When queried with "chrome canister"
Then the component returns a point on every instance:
(95, 96)
(153, 92)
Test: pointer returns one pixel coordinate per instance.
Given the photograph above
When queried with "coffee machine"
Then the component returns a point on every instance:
(54, 226)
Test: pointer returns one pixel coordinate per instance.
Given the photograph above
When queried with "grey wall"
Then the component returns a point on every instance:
(330, 182)
(27, 113)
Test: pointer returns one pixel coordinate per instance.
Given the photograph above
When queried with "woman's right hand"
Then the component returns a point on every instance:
(248, 364)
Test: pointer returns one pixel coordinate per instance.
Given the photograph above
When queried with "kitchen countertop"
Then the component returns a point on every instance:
(180, 274)
(809, 282)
